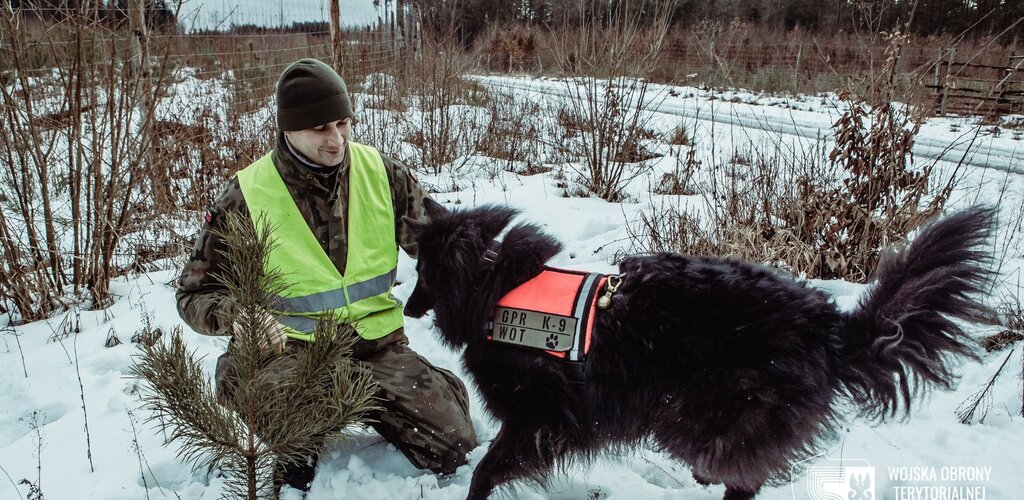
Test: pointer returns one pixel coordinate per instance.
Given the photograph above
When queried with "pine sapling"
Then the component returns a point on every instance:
(280, 407)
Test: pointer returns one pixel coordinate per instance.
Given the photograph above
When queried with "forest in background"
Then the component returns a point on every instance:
(972, 18)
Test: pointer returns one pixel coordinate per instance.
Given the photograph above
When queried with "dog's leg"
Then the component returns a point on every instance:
(734, 493)
(514, 453)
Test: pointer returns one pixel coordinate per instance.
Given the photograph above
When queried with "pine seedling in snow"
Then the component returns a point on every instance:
(275, 413)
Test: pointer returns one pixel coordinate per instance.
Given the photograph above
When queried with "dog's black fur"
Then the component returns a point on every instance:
(730, 367)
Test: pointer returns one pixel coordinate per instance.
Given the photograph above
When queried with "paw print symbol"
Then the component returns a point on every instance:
(552, 341)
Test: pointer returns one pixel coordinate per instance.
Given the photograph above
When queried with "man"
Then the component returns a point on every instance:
(352, 200)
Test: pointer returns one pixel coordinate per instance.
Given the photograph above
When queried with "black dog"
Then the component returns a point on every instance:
(730, 367)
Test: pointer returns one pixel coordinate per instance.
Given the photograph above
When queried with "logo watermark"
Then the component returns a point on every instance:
(939, 483)
(830, 479)
(855, 479)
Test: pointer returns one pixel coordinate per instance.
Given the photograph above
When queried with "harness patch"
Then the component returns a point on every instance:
(534, 329)
(554, 312)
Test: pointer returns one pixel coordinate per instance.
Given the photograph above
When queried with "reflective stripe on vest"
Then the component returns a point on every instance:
(553, 311)
(315, 289)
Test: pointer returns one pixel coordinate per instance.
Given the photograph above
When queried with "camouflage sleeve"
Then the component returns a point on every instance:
(408, 195)
(198, 290)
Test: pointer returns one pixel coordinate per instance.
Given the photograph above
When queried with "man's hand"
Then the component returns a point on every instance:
(270, 333)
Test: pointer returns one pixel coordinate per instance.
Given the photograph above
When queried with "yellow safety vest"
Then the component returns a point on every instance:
(315, 288)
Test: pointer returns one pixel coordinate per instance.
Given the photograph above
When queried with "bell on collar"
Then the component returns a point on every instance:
(612, 286)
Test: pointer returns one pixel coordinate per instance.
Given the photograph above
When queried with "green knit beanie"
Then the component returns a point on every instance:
(310, 93)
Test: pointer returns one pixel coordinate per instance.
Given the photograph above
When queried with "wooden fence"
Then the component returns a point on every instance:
(968, 88)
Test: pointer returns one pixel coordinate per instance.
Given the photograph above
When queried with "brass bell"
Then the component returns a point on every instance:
(612, 286)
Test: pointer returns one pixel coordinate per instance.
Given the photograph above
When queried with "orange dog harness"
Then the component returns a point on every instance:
(553, 311)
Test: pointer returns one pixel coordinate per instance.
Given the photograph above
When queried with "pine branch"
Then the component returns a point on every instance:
(182, 402)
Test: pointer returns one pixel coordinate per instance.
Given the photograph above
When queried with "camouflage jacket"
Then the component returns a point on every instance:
(321, 197)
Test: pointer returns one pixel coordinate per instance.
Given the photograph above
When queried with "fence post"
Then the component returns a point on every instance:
(394, 32)
(946, 79)
(415, 27)
(1012, 70)
(796, 72)
(336, 36)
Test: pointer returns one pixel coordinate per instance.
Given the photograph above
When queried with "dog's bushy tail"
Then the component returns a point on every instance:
(903, 338)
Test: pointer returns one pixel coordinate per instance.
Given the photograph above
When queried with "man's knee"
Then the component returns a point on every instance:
(443, 456)
(461, 445)
(430, 439)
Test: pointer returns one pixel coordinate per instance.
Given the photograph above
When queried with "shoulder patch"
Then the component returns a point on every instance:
(208, 217)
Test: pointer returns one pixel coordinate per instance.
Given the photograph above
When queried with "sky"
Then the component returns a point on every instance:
(210, 13)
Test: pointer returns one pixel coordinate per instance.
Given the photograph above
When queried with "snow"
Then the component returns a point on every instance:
(808, 117)
(593, 231)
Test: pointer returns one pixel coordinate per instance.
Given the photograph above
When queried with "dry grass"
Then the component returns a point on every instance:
(826, 212)
(680, 180)
(515, 134)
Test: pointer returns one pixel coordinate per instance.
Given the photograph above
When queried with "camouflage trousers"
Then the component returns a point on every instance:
(425, 408)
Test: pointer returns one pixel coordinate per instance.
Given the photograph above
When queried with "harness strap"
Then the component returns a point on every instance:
(582, 310)
(491, 254)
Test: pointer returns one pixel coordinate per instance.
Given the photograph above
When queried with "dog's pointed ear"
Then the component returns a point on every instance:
(415, 227)
(434, 209)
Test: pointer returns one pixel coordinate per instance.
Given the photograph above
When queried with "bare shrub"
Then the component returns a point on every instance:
(976, 407)
(382, 101)
(1010, 303)
(514, 133)
(509, 48)
(608, 102)
(680, 180)
(824, 215)
(883, 195)
(748, 212)
(77, 156)
(385, 130)
(443, 132)
(679, 136)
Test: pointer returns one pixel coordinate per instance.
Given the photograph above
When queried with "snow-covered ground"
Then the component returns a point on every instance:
(44, 374)
(809, 117)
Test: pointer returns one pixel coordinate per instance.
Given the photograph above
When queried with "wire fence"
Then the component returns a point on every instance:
(257, 45)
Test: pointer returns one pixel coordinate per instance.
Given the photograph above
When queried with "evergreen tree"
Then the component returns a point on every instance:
(275, 414)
